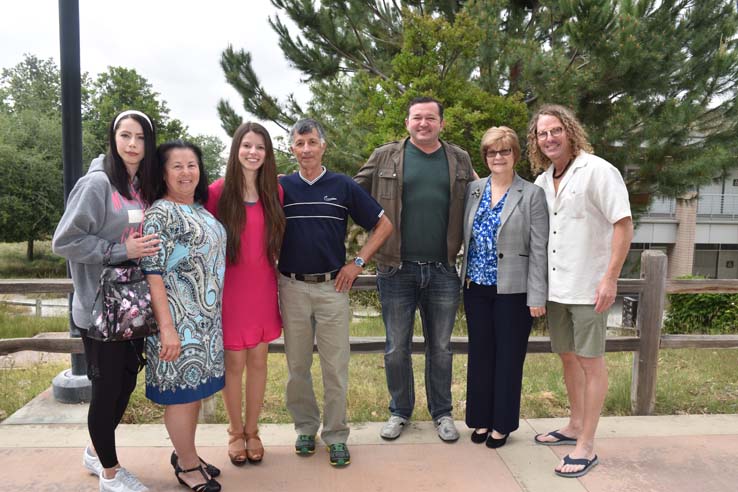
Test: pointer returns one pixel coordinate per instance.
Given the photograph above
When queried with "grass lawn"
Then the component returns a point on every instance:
(690, 381)
(46, 264)
(18, 386)
(15, 325)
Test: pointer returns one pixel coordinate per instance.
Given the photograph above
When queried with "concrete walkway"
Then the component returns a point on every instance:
(670, 454)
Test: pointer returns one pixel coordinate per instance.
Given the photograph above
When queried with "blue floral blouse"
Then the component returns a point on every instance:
(482, 261)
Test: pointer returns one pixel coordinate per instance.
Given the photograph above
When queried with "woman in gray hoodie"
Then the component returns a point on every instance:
(105, 210)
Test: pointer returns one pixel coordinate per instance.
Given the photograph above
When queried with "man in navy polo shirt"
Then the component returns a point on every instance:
(314, 283)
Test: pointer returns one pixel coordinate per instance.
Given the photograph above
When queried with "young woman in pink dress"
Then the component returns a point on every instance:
(248, 202)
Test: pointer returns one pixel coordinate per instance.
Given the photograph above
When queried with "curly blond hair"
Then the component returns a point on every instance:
(575, 132)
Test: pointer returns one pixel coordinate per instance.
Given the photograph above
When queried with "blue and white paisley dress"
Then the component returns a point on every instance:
(191, 261)
(482, 262)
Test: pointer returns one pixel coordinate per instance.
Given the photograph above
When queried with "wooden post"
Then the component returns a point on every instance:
(38, 308)
(207, 411)
(650, 320)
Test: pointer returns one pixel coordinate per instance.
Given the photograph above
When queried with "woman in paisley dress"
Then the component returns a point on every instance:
(185, 361)
(505, 285)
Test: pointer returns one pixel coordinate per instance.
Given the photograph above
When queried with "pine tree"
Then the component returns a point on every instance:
(365, 60)
(653, 81)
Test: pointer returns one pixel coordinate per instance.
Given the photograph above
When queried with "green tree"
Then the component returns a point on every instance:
(654, 82)
(212, 154)
(118, 89)
(33, 84)
(365, 61)
(431, 61)
(31, 191)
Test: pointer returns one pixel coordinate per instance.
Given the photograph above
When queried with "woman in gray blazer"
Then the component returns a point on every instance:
(505, 285)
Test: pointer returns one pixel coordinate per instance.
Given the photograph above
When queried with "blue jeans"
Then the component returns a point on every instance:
(433, 288)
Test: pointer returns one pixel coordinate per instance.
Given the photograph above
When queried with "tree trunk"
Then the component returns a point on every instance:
(29, 250)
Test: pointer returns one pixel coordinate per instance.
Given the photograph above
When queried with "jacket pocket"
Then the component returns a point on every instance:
(388, 184)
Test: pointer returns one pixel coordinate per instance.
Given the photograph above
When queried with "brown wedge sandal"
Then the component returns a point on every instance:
(254, 454)
(239, 457)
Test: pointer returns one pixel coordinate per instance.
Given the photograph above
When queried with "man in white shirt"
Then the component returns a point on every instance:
(590, 234)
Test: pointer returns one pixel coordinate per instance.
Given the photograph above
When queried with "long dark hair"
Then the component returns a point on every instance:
(231, 211)
(113, 163)
(155, 178)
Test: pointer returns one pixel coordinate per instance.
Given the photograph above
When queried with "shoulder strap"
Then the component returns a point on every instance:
(108, 254)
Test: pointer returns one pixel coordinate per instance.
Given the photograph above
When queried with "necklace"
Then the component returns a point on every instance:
(564, 171)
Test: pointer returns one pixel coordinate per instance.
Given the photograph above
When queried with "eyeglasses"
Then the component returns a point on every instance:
(553, 132)
(492, 153)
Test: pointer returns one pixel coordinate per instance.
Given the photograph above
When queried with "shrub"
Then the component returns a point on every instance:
(701, 313)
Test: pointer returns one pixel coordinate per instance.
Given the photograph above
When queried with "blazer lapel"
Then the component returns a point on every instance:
(514, 194)
(475, 197)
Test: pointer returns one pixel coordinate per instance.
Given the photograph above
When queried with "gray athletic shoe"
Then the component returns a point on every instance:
(123, 481)
(91, 462)
(446, 429)
(393, 428)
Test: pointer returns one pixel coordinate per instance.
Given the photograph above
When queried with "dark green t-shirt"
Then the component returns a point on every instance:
(425, 202)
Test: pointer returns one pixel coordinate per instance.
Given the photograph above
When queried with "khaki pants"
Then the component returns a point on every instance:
(316, 312)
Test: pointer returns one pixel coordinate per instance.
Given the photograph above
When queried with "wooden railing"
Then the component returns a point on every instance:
(652, 288)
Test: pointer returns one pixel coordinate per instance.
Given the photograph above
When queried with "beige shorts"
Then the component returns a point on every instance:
(576, 328)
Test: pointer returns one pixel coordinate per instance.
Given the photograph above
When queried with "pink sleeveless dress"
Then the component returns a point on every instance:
(250, 306)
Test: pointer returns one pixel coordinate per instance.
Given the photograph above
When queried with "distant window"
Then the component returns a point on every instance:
(705, 263)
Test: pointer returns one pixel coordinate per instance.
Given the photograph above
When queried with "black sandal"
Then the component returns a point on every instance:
(212, 470)
(210, 484)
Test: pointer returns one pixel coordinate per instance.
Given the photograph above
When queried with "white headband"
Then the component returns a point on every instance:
(130, 112)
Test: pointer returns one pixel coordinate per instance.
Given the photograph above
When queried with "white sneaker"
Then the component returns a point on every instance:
(393, 427)
(123, 481)
(91, 462)
(446, 429)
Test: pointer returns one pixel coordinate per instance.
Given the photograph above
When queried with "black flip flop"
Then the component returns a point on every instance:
(588, 465)
(561, 439)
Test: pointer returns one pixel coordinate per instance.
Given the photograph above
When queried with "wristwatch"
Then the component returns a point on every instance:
(359, 262)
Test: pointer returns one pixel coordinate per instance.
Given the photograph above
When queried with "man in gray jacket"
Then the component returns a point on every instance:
(420, 182)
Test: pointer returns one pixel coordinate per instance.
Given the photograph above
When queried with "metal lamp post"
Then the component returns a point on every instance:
(71, 385)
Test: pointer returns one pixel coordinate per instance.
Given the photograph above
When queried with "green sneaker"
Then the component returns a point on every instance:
(339, 454)
(305, 445)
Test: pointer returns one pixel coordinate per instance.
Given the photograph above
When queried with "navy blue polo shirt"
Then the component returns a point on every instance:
(317, 218)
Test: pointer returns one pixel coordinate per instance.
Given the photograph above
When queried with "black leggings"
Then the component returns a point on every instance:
(112, 367)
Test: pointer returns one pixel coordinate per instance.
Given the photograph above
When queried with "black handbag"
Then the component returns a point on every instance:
(122, 309)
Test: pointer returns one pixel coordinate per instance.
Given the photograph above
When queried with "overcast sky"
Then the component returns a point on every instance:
(175, 45)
